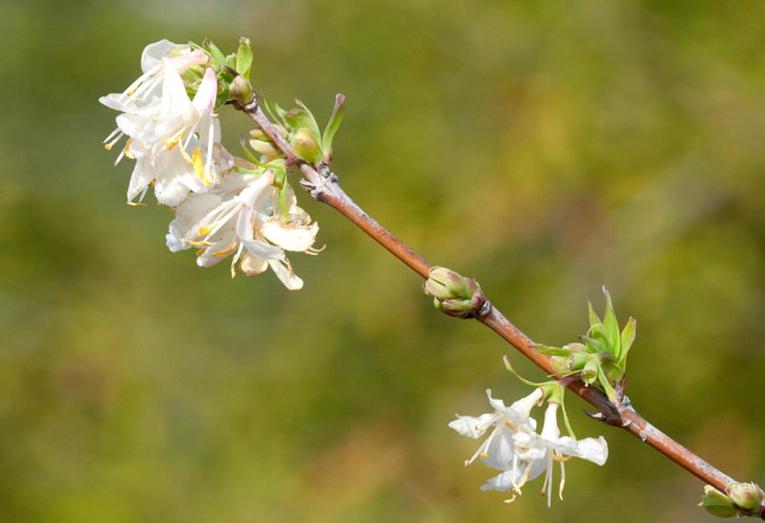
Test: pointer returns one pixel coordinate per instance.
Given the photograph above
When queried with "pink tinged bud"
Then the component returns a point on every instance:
(204, 100)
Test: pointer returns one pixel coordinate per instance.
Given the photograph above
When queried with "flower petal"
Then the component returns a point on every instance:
(252, 264)
(285, 275)
(154, 53)
(591, 449)
(472, 427)
(290, 237)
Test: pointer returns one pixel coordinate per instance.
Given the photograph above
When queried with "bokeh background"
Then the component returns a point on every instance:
(546, 148)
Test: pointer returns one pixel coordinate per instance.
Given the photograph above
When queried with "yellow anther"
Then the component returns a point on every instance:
(225, 252)
(203, 231)
(199, 166)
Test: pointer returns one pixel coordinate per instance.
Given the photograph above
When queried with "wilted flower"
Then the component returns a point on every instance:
(243, 217)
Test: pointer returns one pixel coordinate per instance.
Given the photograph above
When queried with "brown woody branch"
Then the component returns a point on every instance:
(323, 186)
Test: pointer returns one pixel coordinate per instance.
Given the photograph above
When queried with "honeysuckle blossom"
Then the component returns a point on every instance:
(496, 451)
(519, 452)
(146, 90)
(537, 453)
(242, 216)
(175, 140)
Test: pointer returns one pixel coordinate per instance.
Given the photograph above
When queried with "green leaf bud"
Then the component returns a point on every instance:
(240, 90)
(454, 294)
(746, 495)
(306, 145)
(590, 370)
(717, 503)
(264, 148)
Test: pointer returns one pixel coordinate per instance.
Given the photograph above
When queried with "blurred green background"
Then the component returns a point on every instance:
(546, 148)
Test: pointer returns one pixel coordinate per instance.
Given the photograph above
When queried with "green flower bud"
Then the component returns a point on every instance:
(306, 146)
(240, 90)
(590, 370)
(717, 503)
(454, 294)
(746, 495)
(265, 148)
(561, 364)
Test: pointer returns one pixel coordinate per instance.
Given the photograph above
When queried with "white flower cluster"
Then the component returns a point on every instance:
(221, 209)
(520, 453)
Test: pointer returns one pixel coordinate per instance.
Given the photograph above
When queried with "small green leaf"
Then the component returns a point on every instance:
(215, 52)
(627, 339)
(552, 351)
(594, 320)
(230, 62)
(607, 387)
(611, 326)
(596, 345)
(306, 119)
(335, 119)
(244, 57)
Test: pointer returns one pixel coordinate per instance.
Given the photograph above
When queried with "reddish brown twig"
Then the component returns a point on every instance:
(324, 187)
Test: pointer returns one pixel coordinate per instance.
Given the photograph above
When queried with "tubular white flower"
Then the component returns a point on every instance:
(542, 451)
(515, 448)
(146, 89)
(174, 140)
(242, 217)
(496, 451)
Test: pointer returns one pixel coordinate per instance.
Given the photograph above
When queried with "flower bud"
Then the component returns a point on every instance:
(454, 294)
(717, 503)
(590, 370)
(265, 148)
(240, 90)
(306, 146)
(746, 495)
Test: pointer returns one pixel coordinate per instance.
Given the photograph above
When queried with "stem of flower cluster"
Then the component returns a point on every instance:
(323, 186)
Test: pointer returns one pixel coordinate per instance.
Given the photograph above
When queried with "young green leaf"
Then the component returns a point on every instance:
(215, 52)
(244, 57)
(607, 388)
(552, 351)
(307, 119)
(594, 319)
(335, 119)
(611, 326)
(627, 339)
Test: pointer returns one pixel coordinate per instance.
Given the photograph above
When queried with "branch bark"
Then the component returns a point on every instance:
(324, 186)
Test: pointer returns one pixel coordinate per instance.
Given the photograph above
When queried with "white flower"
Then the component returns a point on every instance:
(537, 453)
(146, 89)
(174, 140)
(518, 451)
(242, 217)
(497, 450)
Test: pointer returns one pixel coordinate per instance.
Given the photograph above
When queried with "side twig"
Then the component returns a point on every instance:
(324, 186)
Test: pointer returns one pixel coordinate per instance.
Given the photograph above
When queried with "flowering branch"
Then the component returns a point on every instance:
(245, 210)
(323, 185)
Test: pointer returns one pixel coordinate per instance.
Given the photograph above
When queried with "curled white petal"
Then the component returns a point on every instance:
(472, 427)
